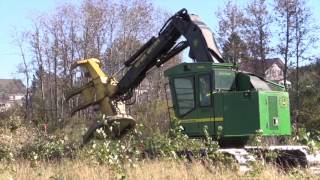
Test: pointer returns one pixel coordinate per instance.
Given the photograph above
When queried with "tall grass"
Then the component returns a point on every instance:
(154, 170)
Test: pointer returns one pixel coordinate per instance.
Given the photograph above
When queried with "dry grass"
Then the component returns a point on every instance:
(65, 170)
(174, 170)
(143, 170)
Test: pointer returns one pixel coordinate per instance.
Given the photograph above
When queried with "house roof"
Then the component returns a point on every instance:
(12, 86)
(255, 66)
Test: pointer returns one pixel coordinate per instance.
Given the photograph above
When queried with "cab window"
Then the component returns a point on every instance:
(184, 90)
(224, 79)
(204, 90)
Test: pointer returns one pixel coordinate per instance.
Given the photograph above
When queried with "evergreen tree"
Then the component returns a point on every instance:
(235, 49)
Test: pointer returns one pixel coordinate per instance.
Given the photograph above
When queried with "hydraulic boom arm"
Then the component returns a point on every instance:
(159, 50)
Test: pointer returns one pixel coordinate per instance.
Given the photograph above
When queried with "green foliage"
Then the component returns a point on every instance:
(173, 144)
(303, 137)
(108, 152)
(169, 144)
(271, 156)
(305, 106)
(234, 49)
(114, 153)
(47, 148)
(11, 118)
(211, 146)
(213, 156)
(5, 153)
(257, 138)
(219, 132)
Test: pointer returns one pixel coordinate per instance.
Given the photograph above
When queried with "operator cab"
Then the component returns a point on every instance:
(192, 87)
(192, 84)
(223, 99)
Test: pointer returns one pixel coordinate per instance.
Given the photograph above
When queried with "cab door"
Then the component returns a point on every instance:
(205, 103)
(184, 100)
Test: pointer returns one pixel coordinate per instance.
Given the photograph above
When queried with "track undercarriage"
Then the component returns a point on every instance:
(283, 156)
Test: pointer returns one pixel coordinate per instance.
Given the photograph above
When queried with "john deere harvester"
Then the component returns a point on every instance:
(234, 105)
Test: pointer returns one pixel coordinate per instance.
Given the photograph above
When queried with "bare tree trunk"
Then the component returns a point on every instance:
(55, 66)
(50, 97)
(38, 51)
(297, 28)
(286, 48)
(25, 70)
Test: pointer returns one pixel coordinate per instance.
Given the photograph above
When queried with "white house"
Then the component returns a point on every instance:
(274, 72)
(273, 69)
(12, 91)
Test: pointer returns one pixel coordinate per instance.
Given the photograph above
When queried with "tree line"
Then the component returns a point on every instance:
(104, 29)
(263, 29)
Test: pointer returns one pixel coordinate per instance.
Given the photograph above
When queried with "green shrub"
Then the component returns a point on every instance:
(114, 153)
(303, 137)
(169, 144)
(5, 153)
(47, 148)
(11, 119)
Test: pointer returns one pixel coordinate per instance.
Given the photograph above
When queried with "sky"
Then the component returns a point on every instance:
(16, 16)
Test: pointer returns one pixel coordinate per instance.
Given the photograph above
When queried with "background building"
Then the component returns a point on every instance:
(272, 69)
(12, 91)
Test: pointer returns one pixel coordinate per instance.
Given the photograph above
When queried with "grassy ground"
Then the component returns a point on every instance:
(143, 170)
(27, 143)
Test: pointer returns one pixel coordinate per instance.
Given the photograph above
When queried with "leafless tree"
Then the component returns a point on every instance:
(304, 39)
(25, 70)
(285, 10)
(231, 21)
(257, 31)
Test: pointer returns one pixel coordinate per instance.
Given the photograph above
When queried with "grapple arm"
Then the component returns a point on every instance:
(99, 91)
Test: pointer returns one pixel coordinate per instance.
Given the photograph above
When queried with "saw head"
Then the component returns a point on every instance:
(100, 91)
(119, 124)
(114, 126)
